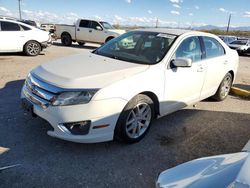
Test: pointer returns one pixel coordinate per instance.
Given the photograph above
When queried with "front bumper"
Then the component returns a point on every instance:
(102, 112)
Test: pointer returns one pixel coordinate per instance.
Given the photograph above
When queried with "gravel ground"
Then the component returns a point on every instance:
(208, 128)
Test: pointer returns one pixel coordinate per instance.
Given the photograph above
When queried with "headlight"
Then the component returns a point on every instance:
(73, 98)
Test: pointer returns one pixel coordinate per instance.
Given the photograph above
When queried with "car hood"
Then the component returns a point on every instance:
(216, 171)
(86, 70)
(119, 31)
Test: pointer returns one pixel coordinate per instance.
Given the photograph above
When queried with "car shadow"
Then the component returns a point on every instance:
(16, 54)
(172, 139)
(11, 54)
(87, 46)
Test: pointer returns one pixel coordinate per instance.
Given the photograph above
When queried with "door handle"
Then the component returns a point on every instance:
(90, 31)
(21, 36)
(78, 29)
(200, 69)
(225, 62)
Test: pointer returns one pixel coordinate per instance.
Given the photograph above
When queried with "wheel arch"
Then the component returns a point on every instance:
(32, 40)
(109, 38)
(232, 73)
(155, 100)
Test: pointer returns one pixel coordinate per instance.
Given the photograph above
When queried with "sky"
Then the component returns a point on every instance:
(173, 13)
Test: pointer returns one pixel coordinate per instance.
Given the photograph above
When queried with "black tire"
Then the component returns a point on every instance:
(224, 88)
(81, 43)
(108, 39)
(32, 48)
(66, 39)
(122, 132)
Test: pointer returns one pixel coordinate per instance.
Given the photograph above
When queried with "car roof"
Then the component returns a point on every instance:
(167, 30)
(17, 22)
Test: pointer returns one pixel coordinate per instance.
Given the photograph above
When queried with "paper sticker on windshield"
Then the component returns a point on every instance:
(163, 35)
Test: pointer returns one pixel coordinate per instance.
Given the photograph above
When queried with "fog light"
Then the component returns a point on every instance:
(78, 128)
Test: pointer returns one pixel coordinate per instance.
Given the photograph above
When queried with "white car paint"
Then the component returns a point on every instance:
(225, 171)
(119, 81)
(14, 41)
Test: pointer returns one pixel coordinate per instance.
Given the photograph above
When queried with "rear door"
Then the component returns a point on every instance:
(217, 66)
(183, 85)
(12, 37)
(83, 30)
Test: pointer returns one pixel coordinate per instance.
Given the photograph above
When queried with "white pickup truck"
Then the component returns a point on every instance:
(86, 31)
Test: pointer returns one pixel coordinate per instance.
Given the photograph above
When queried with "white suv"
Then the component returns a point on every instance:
(19, 37)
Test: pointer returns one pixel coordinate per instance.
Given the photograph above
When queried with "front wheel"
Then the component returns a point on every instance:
(224, 88)
(32, 48)
(134, 121)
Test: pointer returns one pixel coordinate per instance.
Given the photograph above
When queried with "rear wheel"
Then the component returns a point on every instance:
(66, 39)
(32, 48)
(134, 121)
(224, 88)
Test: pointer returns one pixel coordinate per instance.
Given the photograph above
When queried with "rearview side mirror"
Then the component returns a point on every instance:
(98, 28)
(181, 62)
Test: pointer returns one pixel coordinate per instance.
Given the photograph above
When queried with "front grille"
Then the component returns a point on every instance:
(38, 91)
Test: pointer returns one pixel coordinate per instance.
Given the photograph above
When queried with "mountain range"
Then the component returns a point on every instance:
(211, 27)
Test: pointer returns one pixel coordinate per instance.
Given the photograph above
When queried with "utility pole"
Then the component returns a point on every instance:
(157, 23)
(20, 13)
(229, 20)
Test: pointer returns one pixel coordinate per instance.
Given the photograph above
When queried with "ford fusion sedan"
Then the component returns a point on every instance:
(224, 171)
(16, 36)
(117, 90)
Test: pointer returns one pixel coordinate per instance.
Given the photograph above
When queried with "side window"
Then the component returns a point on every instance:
(95, 24)
(213, 47)
(9, 26)
(189, 48)
(25, 28)
(84, 23)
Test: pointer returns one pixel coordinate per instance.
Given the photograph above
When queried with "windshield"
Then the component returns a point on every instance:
(106, 25)
(241, 42)
(138, 47)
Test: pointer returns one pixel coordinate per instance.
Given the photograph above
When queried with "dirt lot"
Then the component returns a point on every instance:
(209, 128)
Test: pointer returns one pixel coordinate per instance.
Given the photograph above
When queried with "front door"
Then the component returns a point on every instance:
(183, 84)
(97, 34)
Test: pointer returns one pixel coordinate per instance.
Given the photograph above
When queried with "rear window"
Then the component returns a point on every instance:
(25, 28)
(213, 47)
(240, 42)
(9, 26)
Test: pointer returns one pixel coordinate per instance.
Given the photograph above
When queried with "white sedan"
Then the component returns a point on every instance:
(222, 171)
(19, 37)
(118, 89)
